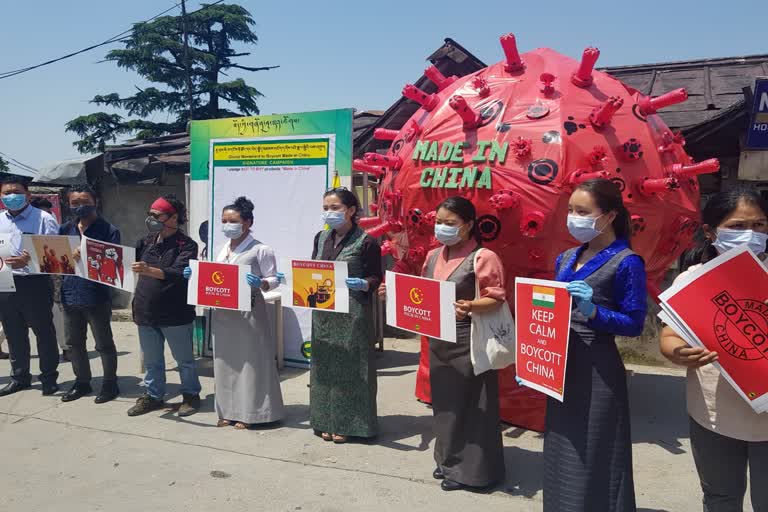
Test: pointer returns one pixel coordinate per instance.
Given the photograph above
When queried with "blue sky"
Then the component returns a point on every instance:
(337, 54)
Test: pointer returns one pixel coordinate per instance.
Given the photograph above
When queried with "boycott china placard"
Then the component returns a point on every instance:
(543, 323)
(108, 264)
(219, 285)
(420, 305)
(314, 284)
(720, 306)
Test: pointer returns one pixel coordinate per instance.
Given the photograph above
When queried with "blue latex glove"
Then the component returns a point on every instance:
(253, 280)
(187, 272)
(582, 294)
(519, 382)
(280, 277)
(355, 283)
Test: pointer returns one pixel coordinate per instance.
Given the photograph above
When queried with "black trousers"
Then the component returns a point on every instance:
(29, 307)
(722, 465)
(76, 322)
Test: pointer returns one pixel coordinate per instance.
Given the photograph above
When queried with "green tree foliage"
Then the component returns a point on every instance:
(155, 51)
(4, 166)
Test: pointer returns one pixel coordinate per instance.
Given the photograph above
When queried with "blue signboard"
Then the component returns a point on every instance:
(757, 133)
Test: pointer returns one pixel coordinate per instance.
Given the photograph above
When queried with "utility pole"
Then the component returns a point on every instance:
(187, 66)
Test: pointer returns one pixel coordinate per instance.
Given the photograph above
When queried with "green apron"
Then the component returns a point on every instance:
(342, 398)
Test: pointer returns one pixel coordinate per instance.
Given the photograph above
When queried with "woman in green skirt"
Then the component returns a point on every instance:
(342, 399)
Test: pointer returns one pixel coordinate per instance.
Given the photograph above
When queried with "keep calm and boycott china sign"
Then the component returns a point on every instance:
(420, 305)
(720, 306)
(543, 323)
(219, 285)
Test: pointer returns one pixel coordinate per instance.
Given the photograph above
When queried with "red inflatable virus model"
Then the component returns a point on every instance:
(516, 138)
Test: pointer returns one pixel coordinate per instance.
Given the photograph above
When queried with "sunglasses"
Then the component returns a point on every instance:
(157, 216)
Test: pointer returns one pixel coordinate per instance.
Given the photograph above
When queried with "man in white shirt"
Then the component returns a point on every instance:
(31, 304)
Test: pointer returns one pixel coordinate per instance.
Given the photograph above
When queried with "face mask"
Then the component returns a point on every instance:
(15, 201)
(232, 229)
(334, 219)
(730, 238)
(83, 211)
(154, 225)
(583, 228)
(447, 235)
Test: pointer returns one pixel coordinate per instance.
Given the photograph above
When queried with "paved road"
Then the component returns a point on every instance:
(83, 457)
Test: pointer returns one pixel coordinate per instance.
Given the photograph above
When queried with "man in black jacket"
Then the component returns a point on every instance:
(88, 303)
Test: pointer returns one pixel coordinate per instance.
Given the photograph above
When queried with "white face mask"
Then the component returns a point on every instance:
(730, 238)
(583, 229)
(232, 229)
(447, 235)
(334, 219)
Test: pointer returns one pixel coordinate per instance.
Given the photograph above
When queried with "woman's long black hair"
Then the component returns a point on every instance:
(717, 209)
(608, 198)
(465, 210)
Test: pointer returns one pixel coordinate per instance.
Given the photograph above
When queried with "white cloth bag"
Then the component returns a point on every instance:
(492, 337)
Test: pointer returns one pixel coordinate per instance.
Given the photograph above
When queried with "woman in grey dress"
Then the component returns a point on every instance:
(245, 371)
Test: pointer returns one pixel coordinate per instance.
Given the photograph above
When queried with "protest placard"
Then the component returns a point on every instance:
(219, 285)
(543, 322)
(314, 284)
(53, 254)
(420, 305)
(108, 264)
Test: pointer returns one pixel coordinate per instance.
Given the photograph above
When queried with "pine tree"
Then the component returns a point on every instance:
(155, 50)
(4, 166)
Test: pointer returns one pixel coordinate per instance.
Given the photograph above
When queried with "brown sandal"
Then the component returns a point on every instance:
(241, 426)
(326, 436)
(339, 439)
(223, 423)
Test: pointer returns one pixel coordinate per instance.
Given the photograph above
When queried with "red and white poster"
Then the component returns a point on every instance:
(543, 323)
(720, 306)
(423, 306)
(107, 263)
(219, 285)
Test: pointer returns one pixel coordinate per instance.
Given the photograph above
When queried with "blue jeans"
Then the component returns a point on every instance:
(179, 339)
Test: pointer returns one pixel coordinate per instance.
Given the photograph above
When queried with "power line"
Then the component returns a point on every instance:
(119, 37)
(18, 164)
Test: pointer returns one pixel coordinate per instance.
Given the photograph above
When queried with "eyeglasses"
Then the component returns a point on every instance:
(334, 189)
(156, 216)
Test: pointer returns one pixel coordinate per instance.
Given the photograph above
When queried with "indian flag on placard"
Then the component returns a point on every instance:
(544, 297)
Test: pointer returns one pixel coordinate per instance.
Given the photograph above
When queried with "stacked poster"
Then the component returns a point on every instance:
(720, 306)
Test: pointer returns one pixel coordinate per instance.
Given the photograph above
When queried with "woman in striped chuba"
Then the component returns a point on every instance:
(587, 445)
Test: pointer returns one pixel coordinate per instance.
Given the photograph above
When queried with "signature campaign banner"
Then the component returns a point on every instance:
(543, 323)
(219, 285)
(420, 305)
(720, 307)
(314, 284)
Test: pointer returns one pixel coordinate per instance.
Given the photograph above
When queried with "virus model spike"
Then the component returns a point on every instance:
(602, 115)
(439, 79)
(651, 186)
(470, 118)
(393, 162)
(648, 105)
(480, 84)
(583, 76)
(582, 175)
(427, 101)
(546, 84)
(509, 45)
(385, 228)
(705, 167)
(359, 165)
(384, 134)
(368, 222)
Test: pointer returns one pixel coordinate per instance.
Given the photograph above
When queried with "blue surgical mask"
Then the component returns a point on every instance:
(447, 235)
(14, 202)
(334, 219)
(731, 238)
(232, 229)
(83, 211)
(583, 228)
